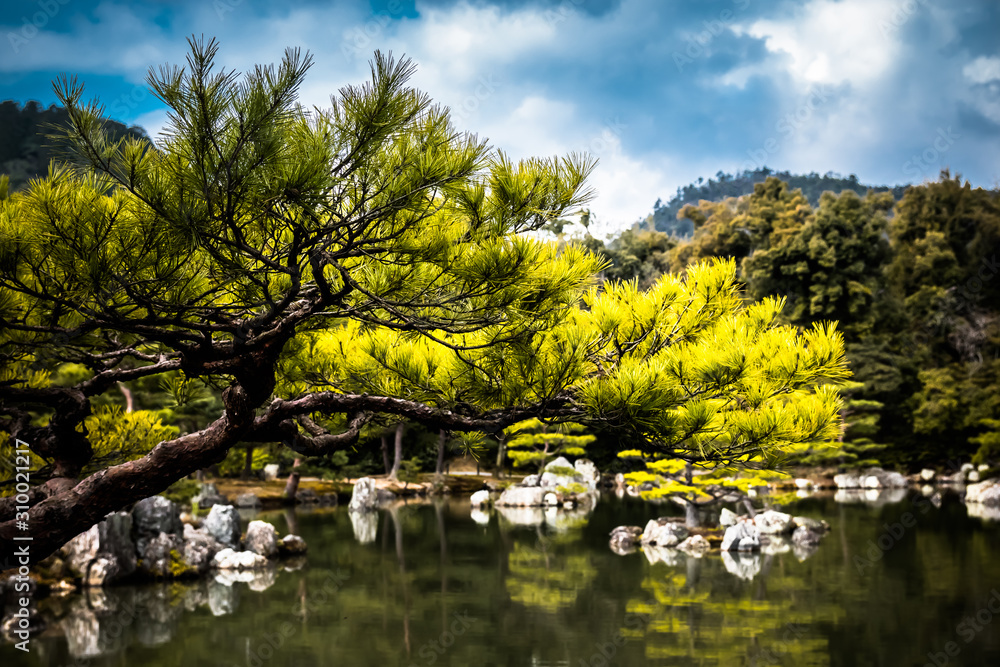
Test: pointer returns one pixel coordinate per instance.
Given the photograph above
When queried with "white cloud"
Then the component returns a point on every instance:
(830, 42)
(983, 69)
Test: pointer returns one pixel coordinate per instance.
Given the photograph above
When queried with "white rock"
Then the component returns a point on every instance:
(803, 483)
(663, 533)
(695, 544)
(743, 536)
(227, 559)
(223, 523)
(985, 493)
(271, 472)
(727, 518)
(262, 539)
(550, 499)
(966, 467)
(586, 469)
(846, 481)
(773, 523)
(871, 482)
(973, 476)
(364, 496)
(927, 474)
(982, 467)
(480, 498)
(519, 496)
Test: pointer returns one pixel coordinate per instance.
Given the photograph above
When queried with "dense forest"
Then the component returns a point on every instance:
(910, 274)
(913, 284)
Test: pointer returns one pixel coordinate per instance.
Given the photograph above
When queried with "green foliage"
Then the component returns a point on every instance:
(182, 491)
(535, 442)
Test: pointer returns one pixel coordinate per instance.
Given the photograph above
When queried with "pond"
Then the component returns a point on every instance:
(903, 583)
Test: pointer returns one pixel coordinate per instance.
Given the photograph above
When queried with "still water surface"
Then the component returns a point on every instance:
(431, 586)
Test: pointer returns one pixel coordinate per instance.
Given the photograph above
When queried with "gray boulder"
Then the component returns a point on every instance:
(663, 533)
(161, 556)
(223, 523)
(103, 554)
(155, 515)
(530, 480)
(847, 481)
(364, 497)
(877, 478)
(695, 544)
(805, 537)
(520, 496)
(199, 549)
(262, 539)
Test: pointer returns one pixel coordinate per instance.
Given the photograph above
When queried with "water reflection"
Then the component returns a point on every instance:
(550, 591)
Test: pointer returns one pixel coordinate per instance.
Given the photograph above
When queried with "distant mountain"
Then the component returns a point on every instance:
(25, 152)
(664, 216)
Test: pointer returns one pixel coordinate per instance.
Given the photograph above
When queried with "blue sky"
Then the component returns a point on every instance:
(662, 92)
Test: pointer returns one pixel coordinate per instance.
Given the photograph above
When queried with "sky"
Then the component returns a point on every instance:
(662, 92)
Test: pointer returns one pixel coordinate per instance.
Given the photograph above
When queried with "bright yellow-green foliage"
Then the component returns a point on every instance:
(119, 436)
(687, 365)
(535, 443)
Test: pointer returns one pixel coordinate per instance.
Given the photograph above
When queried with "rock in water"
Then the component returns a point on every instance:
(743, 536)
(530, 480)
(927, 474)
(209, 496)
(227, 559)
(727, 518)
(847, 481)
(364, 496)
(480, 498)
(663, 533)
(519, 496)
(103, 554)
(984, 493)
(624, 538)
(291, 545)
(262, 539)
(223, 523)
(773, 523)
(695, 544)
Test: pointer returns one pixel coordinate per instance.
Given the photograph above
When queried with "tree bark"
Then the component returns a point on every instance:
(398, 459)
(501, 453)
(385, 454)
(247, 464)
(442, 440)
(292, 485)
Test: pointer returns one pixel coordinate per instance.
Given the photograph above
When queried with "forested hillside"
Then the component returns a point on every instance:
(664, 217)
(25, 151)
